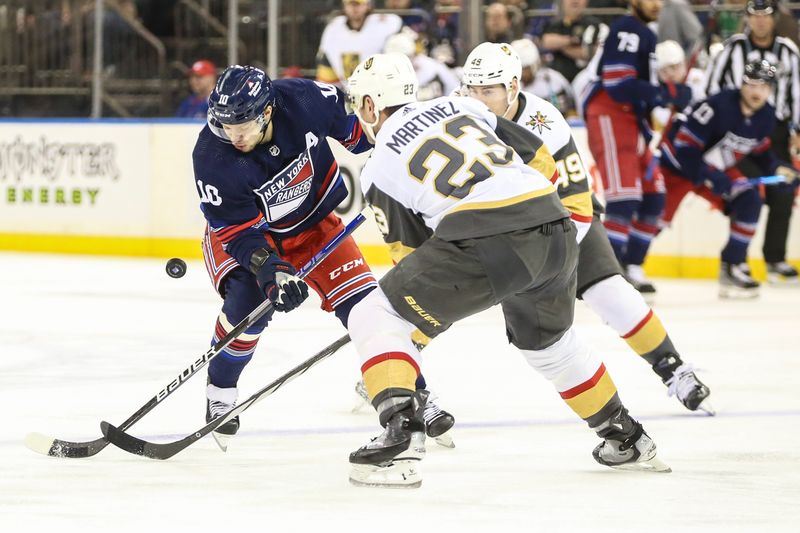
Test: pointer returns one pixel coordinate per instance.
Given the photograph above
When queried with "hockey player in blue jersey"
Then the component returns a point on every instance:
(617, 110)
(268, 184)
(700, 152)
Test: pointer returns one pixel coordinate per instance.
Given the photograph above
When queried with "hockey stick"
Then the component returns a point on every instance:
(701, 43)
(767, 180)
(131, 444)
(61, 448)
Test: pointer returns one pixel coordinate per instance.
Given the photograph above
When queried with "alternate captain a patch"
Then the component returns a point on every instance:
(539, 121)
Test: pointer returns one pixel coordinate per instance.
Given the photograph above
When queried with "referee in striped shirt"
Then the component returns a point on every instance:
(761, 42)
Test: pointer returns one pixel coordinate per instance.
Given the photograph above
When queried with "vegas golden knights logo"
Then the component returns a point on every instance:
(368, 64)
(350, 61)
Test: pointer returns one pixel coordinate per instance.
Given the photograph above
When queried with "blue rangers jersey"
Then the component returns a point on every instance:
(284, 186)
(714, 136)
(625, 67)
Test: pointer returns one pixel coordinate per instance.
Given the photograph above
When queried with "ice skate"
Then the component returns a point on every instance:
(627, 446)
(391, 459)
(689, 390)
(363, 397)
(636, 277)
(218, 402)
(438, 423)
(782, 274)
(735, 282)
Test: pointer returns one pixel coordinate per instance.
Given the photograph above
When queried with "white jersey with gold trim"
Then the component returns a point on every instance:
(574, 180)
(343, 48)
(446, 156)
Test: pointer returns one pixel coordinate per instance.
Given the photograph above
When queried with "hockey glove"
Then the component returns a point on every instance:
(719, 182)
(276, 278)
(792, 176)
(677, 94)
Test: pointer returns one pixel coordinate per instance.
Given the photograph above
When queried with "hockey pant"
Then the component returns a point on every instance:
(390, 364)
(341, 280)
(743, 211)
(633, 201)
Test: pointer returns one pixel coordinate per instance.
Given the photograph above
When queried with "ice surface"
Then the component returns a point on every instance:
(87, 339)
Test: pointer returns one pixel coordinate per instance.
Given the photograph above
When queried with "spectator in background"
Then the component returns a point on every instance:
(677, 22)
(419, 22)
(202, 79)
(444, 40)
(435, 78)
(498, 23)
(572, 38)
(544, 82)
(349, 38)
(786, 24)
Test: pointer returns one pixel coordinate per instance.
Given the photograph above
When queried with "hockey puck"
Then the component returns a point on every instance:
(176, 268)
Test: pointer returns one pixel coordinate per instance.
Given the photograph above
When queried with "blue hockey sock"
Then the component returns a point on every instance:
(644, 228)
(618, 224)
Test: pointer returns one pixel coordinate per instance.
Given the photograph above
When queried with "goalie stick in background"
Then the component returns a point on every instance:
(492, 74)
(268, 184)
(481, 224)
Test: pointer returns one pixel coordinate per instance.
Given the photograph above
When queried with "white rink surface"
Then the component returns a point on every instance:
(91, 339)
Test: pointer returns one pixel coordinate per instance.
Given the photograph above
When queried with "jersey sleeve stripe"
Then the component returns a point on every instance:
(227, 233)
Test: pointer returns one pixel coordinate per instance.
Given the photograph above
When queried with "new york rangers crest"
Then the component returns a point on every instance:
(288, 189)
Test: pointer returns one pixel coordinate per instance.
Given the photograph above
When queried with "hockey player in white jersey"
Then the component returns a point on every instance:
(468, 198)
(435, 78)
(491, 74)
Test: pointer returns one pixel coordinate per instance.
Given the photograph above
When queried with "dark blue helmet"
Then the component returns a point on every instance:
(241, 95)
(763, 7)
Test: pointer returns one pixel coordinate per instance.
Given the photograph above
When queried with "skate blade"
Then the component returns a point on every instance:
(730, 293)
(222, 440)
(779, 281)
(707, 408)
(398, 474)
(653, 464)
(445, 440)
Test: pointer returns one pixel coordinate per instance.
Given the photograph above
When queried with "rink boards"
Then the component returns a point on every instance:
(119, 187)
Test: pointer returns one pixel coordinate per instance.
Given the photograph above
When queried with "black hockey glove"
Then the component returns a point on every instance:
(276, 278)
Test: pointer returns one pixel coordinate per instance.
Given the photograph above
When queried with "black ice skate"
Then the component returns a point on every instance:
(627, 446)
(681, 382)
(782, 274)
(689, 390)
(636, 277)
(438, 423)
(392, 458)
(218, 402)
(735, 282)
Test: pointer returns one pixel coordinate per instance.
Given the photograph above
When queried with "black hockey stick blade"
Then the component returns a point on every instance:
(53, 447)
(153, 450)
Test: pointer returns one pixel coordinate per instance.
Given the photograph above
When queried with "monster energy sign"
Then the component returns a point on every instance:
(47, 172)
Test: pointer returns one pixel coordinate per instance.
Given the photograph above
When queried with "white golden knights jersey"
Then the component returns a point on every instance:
(574, 186)
(449, 167)
(342, 49)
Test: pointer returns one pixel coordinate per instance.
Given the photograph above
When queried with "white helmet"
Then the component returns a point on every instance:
(389, 79)
(528, 53)
(669, 53)
(492, 64)
(404, 43)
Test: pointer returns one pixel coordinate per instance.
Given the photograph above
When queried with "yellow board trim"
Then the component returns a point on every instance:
(472, 206)
(375, 254)
(590, 402)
